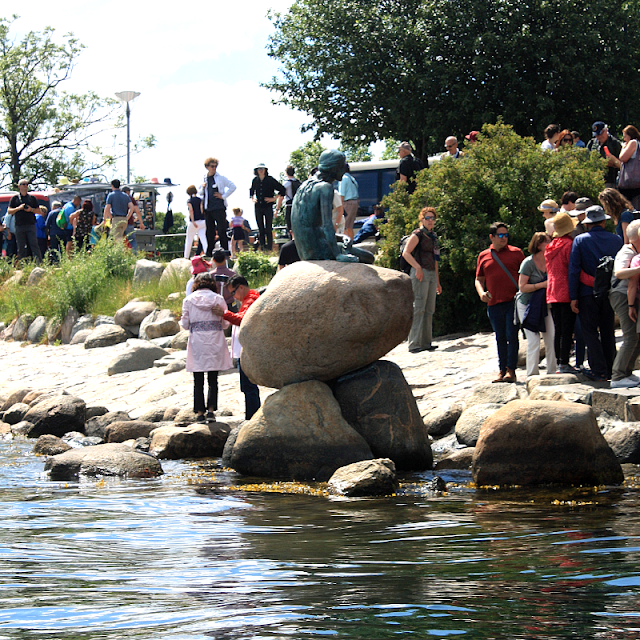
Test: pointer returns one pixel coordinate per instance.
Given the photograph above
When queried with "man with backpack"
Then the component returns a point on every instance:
(588, 298)
(63, 222)
(290, 188)
(408, 167)
(497, 285)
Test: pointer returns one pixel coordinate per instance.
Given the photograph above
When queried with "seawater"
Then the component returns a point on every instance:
(188, 556)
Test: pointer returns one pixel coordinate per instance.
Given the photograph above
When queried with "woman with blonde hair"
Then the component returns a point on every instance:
(197, 224)
(620, 210)
(629, 180)
(422, 252)
(532, 299)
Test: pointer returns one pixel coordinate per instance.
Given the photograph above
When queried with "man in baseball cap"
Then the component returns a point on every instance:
(609, 148)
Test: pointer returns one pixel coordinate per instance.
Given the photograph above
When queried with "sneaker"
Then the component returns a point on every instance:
(432, 347)
(632, 376)
(625, 383)
(211, 416)
(567, 368)
(418, 350)
(201, 418)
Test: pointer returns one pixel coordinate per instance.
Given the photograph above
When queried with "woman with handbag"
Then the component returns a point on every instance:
(532, 296)
(629, 180)
(620, 210)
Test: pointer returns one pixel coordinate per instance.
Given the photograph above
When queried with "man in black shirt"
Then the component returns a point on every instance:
(24, 207)
(609, 148)
(409, 165)
(215, 191)
(262, 192)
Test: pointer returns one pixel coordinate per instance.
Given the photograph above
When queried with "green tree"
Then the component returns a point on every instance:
(356, 152)
(504, 177)
(45, 132)
(390, 149)
(421, 70)
(305, 158)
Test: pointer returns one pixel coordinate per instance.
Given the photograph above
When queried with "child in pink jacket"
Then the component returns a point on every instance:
(207, 347)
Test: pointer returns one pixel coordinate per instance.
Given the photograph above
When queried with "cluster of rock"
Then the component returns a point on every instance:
(317, 335)
(93, 441)
(151, 335)
(560, 429)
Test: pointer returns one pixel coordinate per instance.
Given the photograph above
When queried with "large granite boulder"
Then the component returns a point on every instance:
(48, 445)
(106, 335)
(366, 478)
(377, 402)
(176, 273)
(22, 326)
(458, 459)
(624, 440)
(298, 434)
(54, 330)
(179, 341)
(493, 394)
(127, 430)
(471, 420)
(96, 425)
(133, 313)
(111, 459)
(79, 337)
(138, 355)
(35, 276)
(83, 323)
(36, 330)
(147, 271)
(195, 441)
(321, 319)
(15, 413)
(439, 421)
(159, 323)
(14, 396)
(539, 442)
(56, 416)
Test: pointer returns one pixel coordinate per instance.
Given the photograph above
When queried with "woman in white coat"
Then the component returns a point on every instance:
(207, 347)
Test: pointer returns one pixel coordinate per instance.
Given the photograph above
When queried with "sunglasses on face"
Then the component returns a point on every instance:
(567, 139)
(449, 146)
(429, 217)
(502, 235)
(212, 165)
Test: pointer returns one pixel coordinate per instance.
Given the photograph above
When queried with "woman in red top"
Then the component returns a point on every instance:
(556, 256)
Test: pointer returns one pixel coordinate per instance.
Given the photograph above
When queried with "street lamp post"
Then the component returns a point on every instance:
(127, 97)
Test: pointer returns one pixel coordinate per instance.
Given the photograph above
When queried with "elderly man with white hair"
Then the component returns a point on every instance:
(622, 374)
(451, 145)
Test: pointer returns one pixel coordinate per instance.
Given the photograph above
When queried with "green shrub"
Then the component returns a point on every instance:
(255, 267)
(502, 177)
(171, 247)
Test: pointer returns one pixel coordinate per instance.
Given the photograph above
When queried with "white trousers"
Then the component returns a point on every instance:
(533, 344)
(198, 227)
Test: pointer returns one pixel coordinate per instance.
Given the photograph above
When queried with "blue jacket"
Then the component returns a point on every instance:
(52, 228)
(586, 251)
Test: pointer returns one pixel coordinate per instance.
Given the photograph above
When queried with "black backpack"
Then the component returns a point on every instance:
(602, 281)
(295, 185)
(403, 265)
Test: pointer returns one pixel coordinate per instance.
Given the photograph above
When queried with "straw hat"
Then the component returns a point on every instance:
(563, 224)
(549, 206)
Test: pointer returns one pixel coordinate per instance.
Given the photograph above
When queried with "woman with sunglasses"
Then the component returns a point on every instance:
(565, 139)
(629, 180)
(422, 252)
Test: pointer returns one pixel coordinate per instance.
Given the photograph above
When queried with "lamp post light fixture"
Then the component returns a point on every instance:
(127, 97)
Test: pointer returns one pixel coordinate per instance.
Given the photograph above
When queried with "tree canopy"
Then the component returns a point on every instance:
(45, 132)
(420, 70)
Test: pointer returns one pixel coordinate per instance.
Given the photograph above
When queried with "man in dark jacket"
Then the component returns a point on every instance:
(24, 207)
(596, 315)
(262, 192)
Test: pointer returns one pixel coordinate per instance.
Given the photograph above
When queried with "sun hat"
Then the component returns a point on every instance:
(548, 205)
(582, 204)
(198, 265)
(406, 146)
(595, 214)
(262, 165)
(563, 224)
(472, 136)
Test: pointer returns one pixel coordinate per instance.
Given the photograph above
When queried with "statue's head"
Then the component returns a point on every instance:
(331, 165)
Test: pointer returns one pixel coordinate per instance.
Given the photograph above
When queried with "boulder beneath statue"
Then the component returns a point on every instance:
(298, 434)
(377, 402)
(529, 442)
(321, 319)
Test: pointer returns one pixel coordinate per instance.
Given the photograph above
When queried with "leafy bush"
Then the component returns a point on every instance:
(171, 247)
(502, 177)
(255, 267)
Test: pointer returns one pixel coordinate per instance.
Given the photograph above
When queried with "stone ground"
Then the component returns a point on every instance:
(450, 373)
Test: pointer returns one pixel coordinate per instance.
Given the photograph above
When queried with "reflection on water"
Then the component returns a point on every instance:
(158, 559)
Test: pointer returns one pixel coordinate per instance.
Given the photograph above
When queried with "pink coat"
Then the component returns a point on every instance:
(207, 347)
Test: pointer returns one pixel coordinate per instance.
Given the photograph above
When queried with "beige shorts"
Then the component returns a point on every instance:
(350, 212)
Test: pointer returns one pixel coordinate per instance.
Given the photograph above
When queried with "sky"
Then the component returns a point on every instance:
(198, 67)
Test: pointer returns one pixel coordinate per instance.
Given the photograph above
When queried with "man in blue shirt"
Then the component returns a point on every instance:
(66, 234)
(596, 315)
(369, 229)
(117, 209)
(350, 200)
